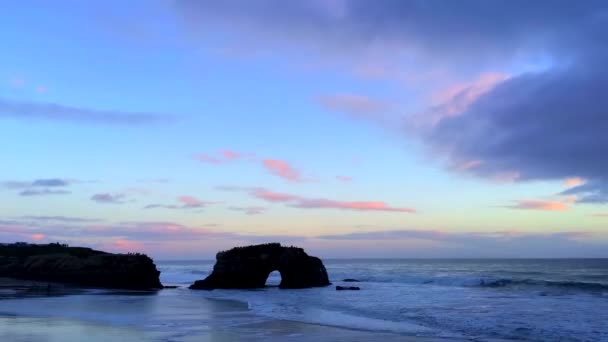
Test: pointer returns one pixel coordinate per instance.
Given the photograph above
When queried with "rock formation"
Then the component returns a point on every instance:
(348, 288)
(78, 266)
(249, 267)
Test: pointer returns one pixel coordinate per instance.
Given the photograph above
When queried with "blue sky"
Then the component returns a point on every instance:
(179, 128)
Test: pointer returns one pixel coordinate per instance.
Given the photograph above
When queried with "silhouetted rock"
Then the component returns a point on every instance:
(249, 267)
(347, 288)
(78, 266)
(349, 280)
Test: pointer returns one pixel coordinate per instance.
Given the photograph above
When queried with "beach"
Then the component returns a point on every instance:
(399, 300)
(164, 316)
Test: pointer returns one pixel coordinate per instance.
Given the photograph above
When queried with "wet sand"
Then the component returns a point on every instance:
(49, 329)
(30, 313)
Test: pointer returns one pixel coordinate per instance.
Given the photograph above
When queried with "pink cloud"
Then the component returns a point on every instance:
(469, 165)
(271, 196)
(323, 203)
(223, 156)
(456, 99)
(574, 181)
(191, 201)
(37, 236)
(359, 106)
(230, 155)
(127, 245)
(207, 159)
(345, 179)
(359, 206)
(539, 205)
(282, 169)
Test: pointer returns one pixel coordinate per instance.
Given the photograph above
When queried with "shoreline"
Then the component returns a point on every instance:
(32, 314)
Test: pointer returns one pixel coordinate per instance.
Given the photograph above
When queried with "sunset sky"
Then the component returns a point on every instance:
(350, 128)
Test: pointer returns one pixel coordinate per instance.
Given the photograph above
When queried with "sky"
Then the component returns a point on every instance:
(352, 128)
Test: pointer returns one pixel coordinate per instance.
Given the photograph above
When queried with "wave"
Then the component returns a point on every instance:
(571, 285)
(491, 282)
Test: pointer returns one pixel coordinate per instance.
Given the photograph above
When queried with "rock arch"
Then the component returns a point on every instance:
(249, 267)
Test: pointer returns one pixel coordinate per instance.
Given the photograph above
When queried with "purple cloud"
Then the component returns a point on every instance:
(249, 210)
(369, 33)
(50, 182)
(43, 192)
(66, 219)
(44, 182)
(108, 198)
(57, 112)
(186, 202)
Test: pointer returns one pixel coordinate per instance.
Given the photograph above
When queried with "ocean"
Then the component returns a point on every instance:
(479, 300)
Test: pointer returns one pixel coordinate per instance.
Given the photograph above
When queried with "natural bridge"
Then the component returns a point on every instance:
(249, 267)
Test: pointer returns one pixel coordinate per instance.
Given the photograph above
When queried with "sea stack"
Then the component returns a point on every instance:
(78, 266)
(249, 267)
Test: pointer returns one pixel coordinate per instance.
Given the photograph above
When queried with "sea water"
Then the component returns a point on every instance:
(538, 300)
(470, 300)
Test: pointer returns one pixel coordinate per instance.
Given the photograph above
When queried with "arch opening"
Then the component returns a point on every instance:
(274, 279)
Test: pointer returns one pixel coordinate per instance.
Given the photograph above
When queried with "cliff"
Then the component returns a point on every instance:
(78, 265)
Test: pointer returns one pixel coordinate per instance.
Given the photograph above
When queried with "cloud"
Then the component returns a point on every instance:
(277, 167)
(108, 198)
(529, 204)
(595, 192)
(383, 34)
(322, 203)
(457, 98)
(271, 196)
(356, 106)
(249, 210)
(574, 181)
(155, 235)
(67, 219)
(37, 236)
(39, 187)
(230, 155)
(127, 245)
(283, 169)
(499, 243)
(536, 109)
(186, 202)
(51, 182)
(44, 182)
(43, 192)
(57, 112)
(205, 158)
(344, 179)
(542, 126)
(223, 156)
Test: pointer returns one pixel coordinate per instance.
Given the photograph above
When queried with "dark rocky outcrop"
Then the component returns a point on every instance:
(249, 267)
(78, 265)
(347, 288)
(350, 280)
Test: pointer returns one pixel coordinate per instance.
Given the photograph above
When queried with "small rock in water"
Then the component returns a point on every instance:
(347, 288)
(350, 280)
